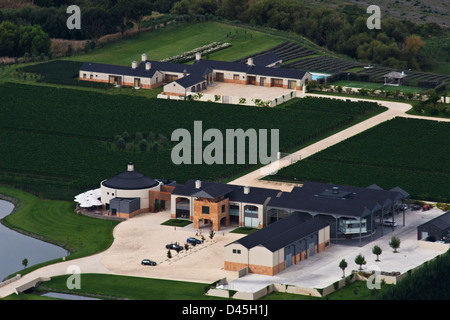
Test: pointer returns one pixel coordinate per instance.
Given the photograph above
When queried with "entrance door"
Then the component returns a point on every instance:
(262, 81)
(137, 82)
(251, 80)
(220, 77)
(288, 260)
(292, 84)
(311, 249)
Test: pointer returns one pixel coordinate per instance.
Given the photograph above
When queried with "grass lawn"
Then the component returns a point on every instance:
(376, 86)
(57, 223)
(133, 288)
(244, 230)
(177, 223)
(175, 39)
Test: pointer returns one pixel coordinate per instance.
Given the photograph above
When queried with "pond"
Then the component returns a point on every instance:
(14, 247)
(66, 296)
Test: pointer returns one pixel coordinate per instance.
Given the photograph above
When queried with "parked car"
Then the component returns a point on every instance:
(416, 207)
(174, 246)
(389, 223)
(148, 262)
(192, 240)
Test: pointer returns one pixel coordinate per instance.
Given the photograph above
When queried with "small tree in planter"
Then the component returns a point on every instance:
(343, 264)
(360, 260)
(377, 251)
(169, 254)
(211, 234)
(395, 243)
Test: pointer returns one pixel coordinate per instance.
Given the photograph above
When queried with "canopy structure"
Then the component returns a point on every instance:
(89, 199)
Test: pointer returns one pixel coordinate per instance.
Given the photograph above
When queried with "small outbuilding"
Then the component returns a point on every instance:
(394, 78)
(437, 229)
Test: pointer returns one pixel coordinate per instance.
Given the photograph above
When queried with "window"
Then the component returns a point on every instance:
(223, 208)
(236, 251)
(90, 76)
(84, 75)
(235, 77)
(205, 210)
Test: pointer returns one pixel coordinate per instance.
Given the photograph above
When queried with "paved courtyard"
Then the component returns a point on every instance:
(247, 91)
(322, 270)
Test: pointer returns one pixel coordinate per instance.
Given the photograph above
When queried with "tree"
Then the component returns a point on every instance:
(25, 263)
(211, 234)
(8, 36)
(360, 260)
(169, 254)
(377, 251)
(143, 145)
(120, 144)
(343, 264)
(395, 243)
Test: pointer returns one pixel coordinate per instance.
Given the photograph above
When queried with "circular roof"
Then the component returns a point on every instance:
(130, 180)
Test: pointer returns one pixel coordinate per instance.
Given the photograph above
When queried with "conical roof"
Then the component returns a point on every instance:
(130, 180)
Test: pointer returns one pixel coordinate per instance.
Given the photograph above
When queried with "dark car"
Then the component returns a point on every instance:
(192, 240)
(148, 262)
(174, 246)
(416, 207)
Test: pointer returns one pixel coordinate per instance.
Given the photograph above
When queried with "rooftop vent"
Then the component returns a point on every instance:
(144, 57)
(198, 184)
(148, 66)
(246, 190)
(134, 65)
(250, 61)
(130, 166)
(198, 56)
(335, 190)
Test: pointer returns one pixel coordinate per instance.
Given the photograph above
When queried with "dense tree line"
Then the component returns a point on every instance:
(16, 41)
(397, 44)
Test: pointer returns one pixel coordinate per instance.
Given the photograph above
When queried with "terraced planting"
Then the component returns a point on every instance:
(286, 51)
(56, 146)
(409, 153)
(323, 64)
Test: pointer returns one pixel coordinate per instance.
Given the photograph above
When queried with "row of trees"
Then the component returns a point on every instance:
(376, 250)
(151, 141)
(16, 41)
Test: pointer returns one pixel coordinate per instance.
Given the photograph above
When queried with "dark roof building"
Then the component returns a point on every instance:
(130, 180)
(437, 229)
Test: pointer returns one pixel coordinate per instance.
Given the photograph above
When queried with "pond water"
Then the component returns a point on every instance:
(14, 247)
(66, 296)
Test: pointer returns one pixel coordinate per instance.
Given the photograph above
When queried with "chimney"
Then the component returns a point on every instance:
(250, 61)
(134, 65)
(184, 72)
(198, 184)
(246, 190)
(130, 166)
(144, 57)
(148, 66)
(198, 56)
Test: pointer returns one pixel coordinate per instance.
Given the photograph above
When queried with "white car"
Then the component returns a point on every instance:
(389, 223)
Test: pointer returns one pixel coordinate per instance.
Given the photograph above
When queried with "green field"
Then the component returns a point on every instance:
(56, 222)
(134, 288)
(57, 146)
(409, 153)
(176, 39)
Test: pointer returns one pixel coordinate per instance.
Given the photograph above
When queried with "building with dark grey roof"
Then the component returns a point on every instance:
(127, 193)
(183, 79)
(278, 246)
(350, 211)
(437, 229)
